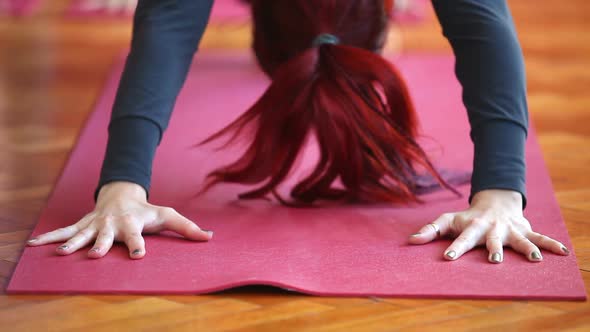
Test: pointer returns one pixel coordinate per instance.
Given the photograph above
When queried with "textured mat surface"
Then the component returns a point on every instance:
(338, 250)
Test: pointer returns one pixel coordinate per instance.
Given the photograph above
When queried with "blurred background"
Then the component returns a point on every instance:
(56, 54)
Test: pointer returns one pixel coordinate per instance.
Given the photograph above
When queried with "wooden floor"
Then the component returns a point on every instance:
(51, 71)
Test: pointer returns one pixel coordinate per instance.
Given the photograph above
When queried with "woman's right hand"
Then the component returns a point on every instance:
(122, 213)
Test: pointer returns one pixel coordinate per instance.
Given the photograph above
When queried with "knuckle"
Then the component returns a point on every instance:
(463, 239)
(493, 223)
(479, 222)
(104, 234)
(86, 232)
(126, 220)
(544, 239)
(522, 241)
(108, 218)
(100, 221)
(493, 238)
(49, 234)
(497, 227)
(57, 232)
(132, 236)
(104, 220)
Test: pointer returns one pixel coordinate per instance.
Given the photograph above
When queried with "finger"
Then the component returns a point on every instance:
(428, 233)
(467, 240)
(130, 233)
(135, 244)
(522, 245)
(104, 243)
(176, 222)
(547, 243)
(494, 244)
(81, 239)
(61, 234)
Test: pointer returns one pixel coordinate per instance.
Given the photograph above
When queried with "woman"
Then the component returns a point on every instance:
(302, 41)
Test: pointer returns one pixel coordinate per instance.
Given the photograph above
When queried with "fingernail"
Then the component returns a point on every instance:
(32, 240)
(64, 247)
(496, 258)
(564, 249)
(536, 256)
(95, 249)
(451, 254)
(417, 234)
(136, 252)
(210, 233)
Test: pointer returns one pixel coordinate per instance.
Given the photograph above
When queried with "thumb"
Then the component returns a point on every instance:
(176, 222)
(429, 232)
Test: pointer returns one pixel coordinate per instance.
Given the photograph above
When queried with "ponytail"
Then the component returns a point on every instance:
(366, 138)
(359, 109)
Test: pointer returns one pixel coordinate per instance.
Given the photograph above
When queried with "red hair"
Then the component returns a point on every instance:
(353, 99)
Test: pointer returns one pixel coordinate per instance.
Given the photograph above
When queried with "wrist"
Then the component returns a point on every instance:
(122, 188)
(493, 197)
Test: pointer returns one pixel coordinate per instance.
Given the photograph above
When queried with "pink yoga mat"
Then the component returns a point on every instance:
(338, 250)
(18, 7)
(234, 11)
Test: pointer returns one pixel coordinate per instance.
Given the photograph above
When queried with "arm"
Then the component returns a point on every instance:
(166, 35)
(490, 68)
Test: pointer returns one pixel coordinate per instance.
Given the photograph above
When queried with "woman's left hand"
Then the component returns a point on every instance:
(495, 219)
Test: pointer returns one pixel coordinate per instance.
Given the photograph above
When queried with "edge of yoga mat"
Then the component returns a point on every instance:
(118, 252)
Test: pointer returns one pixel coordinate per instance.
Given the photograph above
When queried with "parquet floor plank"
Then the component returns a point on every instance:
(373, 317)
(214, 309)
(250, 319)
(509, 315)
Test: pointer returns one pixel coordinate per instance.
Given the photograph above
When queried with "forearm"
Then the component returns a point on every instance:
(166, 35)
(490, 68)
